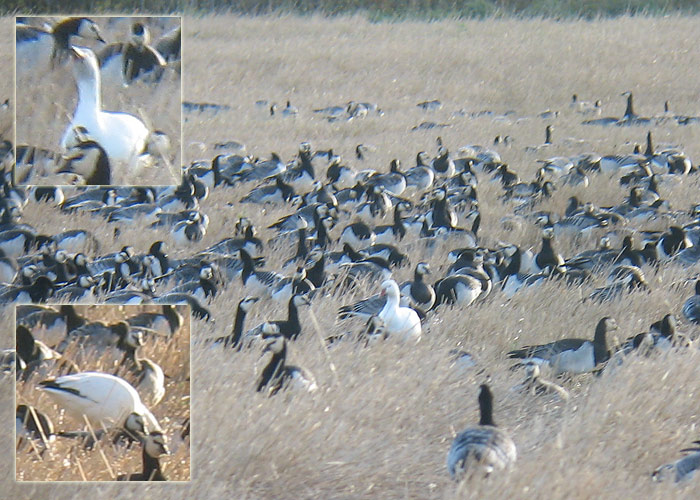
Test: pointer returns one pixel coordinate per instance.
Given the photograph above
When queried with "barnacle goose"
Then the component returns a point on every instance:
(291, 327)
(277, 374)
(87, 158)
(485, 446)
(123, 146)
(571, 355)
(33, 424)
(150, 381)
(167, 322)
(691, 307)
(153, 446)
(50, 326)
(104, 399)
(233, 339)
(124, 62)
(43, 48)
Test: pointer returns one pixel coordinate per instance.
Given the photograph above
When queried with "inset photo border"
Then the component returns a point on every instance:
(98, 100)
(102, 393)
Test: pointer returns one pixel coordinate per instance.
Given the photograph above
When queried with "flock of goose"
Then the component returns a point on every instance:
(332, 241)
(90, 152)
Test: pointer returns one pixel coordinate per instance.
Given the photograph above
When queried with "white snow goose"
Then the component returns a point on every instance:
(104, 399)
(124, 146)
(399, 321)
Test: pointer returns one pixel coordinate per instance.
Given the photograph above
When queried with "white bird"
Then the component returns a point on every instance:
(105, 400)
(485, 445)
(123, 136)
(398, 320)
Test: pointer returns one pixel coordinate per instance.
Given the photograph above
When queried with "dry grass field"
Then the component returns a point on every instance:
(66, 460)
(46, 100)
(382, 421)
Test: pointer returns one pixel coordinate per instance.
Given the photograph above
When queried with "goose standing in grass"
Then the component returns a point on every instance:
(233, 340)
(399, 321)
(44, 48)
(125, 62)
(691, 307)
(682, 469)
(571, 355)
(122, 135)
(277, 374)
(485, 447)
(104, 399)
(153, 446)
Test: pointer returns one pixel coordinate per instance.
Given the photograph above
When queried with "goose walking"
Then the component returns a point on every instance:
(122, 136)
(485, 446)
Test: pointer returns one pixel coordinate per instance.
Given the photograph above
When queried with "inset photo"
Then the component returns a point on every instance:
(103, 393)
(98, 101)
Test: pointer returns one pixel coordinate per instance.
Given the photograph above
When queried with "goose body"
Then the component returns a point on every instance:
(122, 147)
(277, 374)
(485, 446)
(124, 62)
(571, 355)
(399, 321)
(691, 307)
(104, 399)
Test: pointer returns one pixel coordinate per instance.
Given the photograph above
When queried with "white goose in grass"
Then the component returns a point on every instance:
(398, 320)
(485, 446)
(123, 136)
(104, 399)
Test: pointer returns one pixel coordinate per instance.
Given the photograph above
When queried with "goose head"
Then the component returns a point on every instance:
(247, 303)
(155, 445)
(88, 29)
(140, 34)
(85, 67)
(391, 290)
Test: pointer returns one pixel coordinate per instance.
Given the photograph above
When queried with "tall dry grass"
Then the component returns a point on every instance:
(45, 101)
(383, 418)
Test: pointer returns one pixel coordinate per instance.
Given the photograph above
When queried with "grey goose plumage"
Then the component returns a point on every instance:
(484, 447)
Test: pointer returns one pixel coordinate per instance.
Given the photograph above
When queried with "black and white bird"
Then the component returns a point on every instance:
(166, 322)
(104, 399)
(154, 446)
(233, 340)
(291, 327)
(571, 355)
(87, 158)
(481, 448)
(40, 49)
(277, 374)
(419, 293)
(691, 307)
(123, 63)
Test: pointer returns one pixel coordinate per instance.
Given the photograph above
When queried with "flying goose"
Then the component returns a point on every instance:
(153, 446)
(571, 355)
(485, 447)
(104, 399)
(122, 135)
